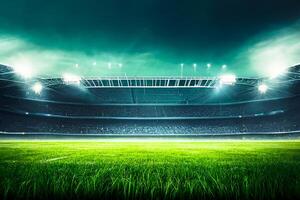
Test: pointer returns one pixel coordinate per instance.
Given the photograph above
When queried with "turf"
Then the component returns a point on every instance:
(150, 170)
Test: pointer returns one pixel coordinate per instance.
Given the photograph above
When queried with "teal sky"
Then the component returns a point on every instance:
(150, 38)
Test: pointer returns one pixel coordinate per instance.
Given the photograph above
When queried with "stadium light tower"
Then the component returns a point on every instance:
(195, 67)
(262, 88)
(181, 69)
(37, 88)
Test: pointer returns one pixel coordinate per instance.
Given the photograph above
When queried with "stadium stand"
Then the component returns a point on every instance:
(37, 124)
(196, 107)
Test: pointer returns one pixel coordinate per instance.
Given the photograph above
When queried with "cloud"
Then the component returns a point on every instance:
(265, 55)
(22, 54)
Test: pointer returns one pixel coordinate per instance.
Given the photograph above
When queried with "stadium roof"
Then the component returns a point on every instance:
(291, 73)
(172, 89)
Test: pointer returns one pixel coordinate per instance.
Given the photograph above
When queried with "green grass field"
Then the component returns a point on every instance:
(150, 170)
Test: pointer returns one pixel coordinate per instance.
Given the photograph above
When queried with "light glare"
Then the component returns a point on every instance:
(23, 71)
(276, 71)
(262, 88)
(228, 79)
(71, 79)
(37, 88)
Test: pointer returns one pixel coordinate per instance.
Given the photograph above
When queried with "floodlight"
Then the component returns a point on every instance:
(71, 79)
(262, 88)
(23, 71)
(224, 66)
(37, 88)
(276, 71)
(195, 67)
(228, 79)
(208, 65)
(181, 64)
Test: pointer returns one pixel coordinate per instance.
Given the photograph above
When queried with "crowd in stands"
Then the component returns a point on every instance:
(266, 124)
(21, 115)
(148, 111)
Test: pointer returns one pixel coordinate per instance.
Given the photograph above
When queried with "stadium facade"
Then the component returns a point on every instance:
(149, 105)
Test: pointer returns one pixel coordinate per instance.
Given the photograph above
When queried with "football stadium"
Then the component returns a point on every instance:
(125, 137)
(150, 99)
(153, 106)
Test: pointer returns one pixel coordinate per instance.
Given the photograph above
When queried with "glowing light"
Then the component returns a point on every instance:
(276, 71)
(228, 79)
(208, 65)
(109, 65)
(23, 71)
(120, 65)
(37, 88)
(272, 58)
(71, 79)
(272, 61)
(181, 69)
(23, 67)
(94, 63)
(195, 67)
(76, 65)
(224, 66)
(262, 88)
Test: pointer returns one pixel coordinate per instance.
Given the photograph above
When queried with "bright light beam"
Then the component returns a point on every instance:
(276, 71)
(37, 88)
(71, 79)
(227, 79)
(24, 72)
(263, 88)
